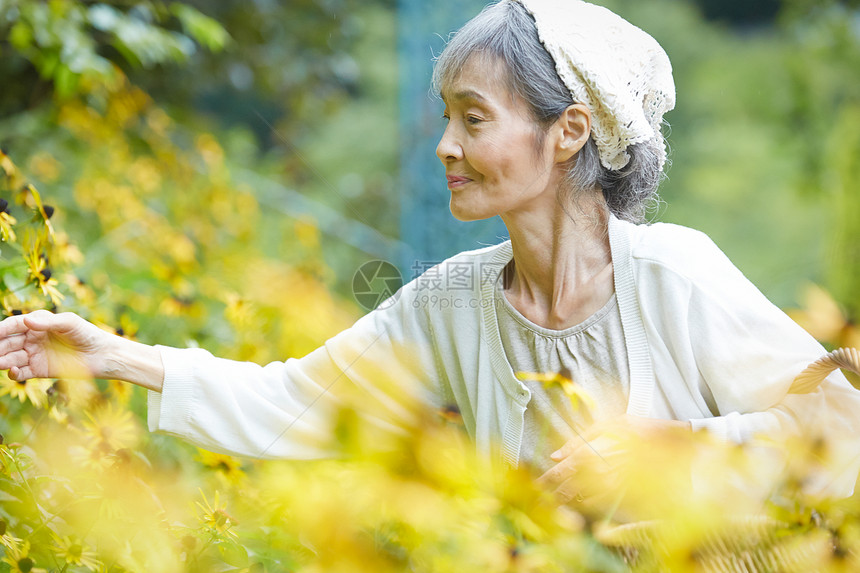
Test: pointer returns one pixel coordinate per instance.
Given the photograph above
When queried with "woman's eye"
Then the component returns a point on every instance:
(473, 119)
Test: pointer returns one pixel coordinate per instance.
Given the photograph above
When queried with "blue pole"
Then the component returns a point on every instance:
(427, 229)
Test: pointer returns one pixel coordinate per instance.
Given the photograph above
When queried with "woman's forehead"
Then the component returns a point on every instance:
(479, 79)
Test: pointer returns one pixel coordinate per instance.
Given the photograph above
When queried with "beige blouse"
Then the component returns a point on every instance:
(592, 352)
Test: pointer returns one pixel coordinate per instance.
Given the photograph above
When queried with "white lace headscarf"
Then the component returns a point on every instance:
(621, 73)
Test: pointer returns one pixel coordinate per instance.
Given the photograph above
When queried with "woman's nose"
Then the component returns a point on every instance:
(448, 149)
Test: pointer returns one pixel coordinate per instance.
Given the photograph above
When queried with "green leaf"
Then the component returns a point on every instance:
(126, 53)
(47, 63)
(207, 31)
(65, 81)
(6, 497)
(47, 478)
(21, 37)
(233, 553)
(14, 282)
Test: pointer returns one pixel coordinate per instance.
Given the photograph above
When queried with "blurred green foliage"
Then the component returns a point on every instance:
(67, 43)
(287, 87)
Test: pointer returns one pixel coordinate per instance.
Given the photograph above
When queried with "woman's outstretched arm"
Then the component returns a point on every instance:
(46, 345)
(382, 367)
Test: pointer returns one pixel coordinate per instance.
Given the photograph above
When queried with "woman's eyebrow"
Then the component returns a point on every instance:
(467, 95)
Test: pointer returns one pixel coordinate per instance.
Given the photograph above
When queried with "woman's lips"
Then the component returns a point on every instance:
(455, 181)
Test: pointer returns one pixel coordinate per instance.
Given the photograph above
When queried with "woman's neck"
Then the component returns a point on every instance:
(562, 267)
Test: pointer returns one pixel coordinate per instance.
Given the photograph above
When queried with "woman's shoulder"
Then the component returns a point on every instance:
(683, 268)
(681, 252)
(667, 241)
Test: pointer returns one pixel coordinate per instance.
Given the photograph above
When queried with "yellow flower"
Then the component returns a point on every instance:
(49, 289)
(32, 198)
(7, 540)
(65, 396)
(579, 398)
(81, 291)
(215, 517)
(239, 311)
(209, 150)
(73, 395)
(18, 558)
(58, 415)
(6, 221)
(7, 165)
(451, 413)
(158, 121)
(121, 391)
(822, 317)
(109, 429)
(33, 389)
(11, 304)
(226, 466)
(45, 167)
(40, 273)
(67, 252)
(75, 553)
(307, 232)
(92, 457)
(178, 306)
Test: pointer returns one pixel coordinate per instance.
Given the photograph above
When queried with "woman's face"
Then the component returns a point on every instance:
(489, 147)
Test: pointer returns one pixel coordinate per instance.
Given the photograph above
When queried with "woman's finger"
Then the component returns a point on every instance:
(570, 447)
(12, 326)
(569, 490)
(580, 446)
(581, 439)
(21, 373)
(12, 343)
(563, 451)
(46, 320)
(559, 472)
(14, 359)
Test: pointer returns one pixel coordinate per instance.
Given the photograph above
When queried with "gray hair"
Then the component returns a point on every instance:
(506, 32)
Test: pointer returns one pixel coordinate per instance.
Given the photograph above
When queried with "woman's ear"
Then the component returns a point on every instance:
(573, 129)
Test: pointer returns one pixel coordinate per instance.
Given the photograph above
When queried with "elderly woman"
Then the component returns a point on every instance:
(553, 112)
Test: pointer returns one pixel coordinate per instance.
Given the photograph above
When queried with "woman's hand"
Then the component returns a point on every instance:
(585, 465)
(46, 345)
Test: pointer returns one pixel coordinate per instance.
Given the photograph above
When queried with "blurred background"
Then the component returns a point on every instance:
(181, 141)
(214, 173)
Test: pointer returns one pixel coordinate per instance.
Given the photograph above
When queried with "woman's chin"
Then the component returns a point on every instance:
(464, 213)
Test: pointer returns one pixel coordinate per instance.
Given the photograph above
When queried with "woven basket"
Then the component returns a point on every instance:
(748, 544)
(753, 543)
(815, 373)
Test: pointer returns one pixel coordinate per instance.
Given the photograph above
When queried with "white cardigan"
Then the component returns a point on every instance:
(703, 345)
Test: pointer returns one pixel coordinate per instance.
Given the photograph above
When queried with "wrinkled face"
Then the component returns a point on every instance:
(489, 148)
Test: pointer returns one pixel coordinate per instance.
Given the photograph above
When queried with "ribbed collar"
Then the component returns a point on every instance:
(638, 351)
